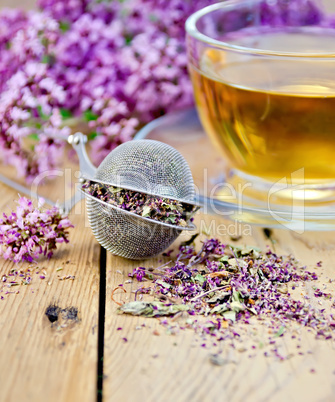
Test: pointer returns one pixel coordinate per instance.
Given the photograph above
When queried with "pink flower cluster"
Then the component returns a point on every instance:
(29, 232)
(113, 65)
(27, 108)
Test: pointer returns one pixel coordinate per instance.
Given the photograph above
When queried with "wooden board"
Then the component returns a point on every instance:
(165, 367)
(40, 360)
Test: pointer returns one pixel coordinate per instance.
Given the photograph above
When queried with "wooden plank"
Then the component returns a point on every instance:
(149, 367)
(40, 360)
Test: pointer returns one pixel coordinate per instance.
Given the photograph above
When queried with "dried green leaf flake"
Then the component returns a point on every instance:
(237, 263)
(163, 284)
(280, 332)
(230, 315)
(237, 296)
(220, 309)
(219, 296)
(146, 211)
(152, 309)
(237, 306)
(199, 278)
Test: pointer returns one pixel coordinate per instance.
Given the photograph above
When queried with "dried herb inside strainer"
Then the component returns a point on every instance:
(159, 209)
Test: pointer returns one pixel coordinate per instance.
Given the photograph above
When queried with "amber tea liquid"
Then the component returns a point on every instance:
(271, 117)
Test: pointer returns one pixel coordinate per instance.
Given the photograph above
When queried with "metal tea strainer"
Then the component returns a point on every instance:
(144, 166)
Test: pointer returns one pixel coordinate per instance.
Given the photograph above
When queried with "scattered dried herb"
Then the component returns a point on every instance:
(148, 206)
(280, 332)
(25, 276)
(65, 277)
(228, 285)
(152, 309)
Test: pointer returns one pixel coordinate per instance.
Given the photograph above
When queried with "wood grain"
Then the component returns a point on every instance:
(163, 367)
(40, 360)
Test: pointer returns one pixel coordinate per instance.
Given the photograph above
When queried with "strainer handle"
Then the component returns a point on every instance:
(87, 169)
(78, 141)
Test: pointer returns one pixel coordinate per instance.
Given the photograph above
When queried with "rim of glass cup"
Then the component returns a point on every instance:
(192, 30)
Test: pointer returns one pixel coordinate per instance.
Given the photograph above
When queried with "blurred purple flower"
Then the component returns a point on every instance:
(109, 64)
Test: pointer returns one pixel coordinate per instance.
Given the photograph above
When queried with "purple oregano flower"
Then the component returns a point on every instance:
(29, 232)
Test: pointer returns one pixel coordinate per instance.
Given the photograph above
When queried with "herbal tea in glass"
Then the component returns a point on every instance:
(265, 91)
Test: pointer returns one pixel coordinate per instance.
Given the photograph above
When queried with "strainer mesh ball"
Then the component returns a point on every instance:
(145, 166)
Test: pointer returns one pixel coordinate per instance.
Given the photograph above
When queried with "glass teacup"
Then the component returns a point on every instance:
(263, 74)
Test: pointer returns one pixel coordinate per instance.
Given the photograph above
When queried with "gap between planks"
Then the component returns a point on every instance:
(101, 324)
(165, 368)
(41, 360)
